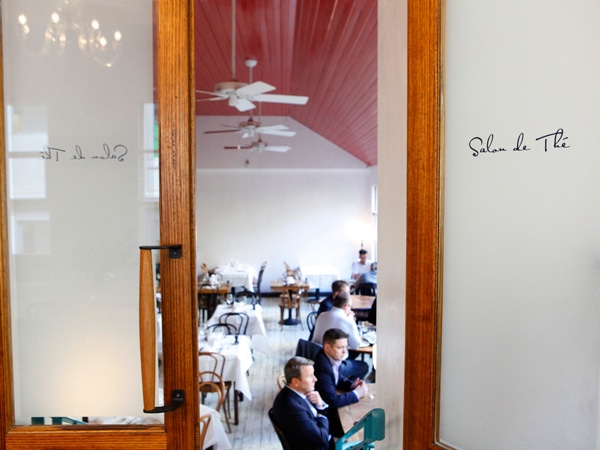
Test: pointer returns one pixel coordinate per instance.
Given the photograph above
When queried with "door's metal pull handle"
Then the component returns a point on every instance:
(174, 250)
(178, 399)
(148, 332)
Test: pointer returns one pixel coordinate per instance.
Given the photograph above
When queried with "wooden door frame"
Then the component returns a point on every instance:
(424, 223)
(176, 107)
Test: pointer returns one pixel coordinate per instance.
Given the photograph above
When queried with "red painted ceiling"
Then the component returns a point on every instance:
(324, 49)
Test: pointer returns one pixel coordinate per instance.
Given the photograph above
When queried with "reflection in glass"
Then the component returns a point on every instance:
(82, 197)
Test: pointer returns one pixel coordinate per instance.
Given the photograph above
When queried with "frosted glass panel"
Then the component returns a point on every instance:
(83, 192)
(521, 341)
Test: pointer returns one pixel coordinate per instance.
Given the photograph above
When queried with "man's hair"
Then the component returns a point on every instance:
(362, 251)
(332, 335)
(341, 300)
(293, 368)
(337, 286)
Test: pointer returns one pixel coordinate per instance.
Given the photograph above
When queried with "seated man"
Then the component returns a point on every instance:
(298, 409)
(336, 287)
(341, 316)
(330, 380)
(361, 266)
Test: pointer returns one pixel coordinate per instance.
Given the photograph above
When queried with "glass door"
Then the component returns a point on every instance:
(85, 188)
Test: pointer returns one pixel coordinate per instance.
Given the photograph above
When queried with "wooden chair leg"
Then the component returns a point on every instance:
(236, 402)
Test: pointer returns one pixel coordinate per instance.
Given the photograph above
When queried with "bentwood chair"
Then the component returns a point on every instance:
(204, 424)
(237, 319)
(366, 289)
(225, 328)
(311, 319)
(281, 381)
(210, 380)
(257, 293)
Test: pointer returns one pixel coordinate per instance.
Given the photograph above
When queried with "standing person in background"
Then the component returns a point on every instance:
(363, 265)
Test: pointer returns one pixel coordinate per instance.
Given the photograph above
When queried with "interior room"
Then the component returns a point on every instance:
(84, 212)
(315, 203)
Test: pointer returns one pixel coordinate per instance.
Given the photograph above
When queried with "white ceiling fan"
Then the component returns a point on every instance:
(242, 95)
(260, 146)
(250, 127)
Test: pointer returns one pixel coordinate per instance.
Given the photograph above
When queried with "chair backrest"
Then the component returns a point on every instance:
(307, 349)
(237, 319)
(281, 381)
(280, 435)
(260, 277)
(204, 424)
(210, 362)
(210, 376)
(366, 289)
(311, 319)
(207, 387)
(226, 328)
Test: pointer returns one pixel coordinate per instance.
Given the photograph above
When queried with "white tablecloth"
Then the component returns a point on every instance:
(215, 435)
(238, 360)
(320, 276)
(256, 325)
(238, 275)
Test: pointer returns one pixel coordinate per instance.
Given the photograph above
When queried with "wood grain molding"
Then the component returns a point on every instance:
(425, 119)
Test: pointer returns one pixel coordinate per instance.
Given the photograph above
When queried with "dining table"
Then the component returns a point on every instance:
(237, 275)
(256, 325)
(320, 276)
(350, 414)
(209, 296)
(238, 359)
(361, 304)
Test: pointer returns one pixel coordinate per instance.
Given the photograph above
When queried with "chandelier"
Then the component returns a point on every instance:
(43, 32)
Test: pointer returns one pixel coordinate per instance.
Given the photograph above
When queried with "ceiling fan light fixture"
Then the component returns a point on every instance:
(226, 88)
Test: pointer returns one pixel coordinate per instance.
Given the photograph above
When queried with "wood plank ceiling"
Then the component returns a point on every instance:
(324, 49)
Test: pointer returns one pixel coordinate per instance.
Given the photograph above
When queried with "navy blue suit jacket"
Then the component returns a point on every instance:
(302, 429)
(328, 389)
(325, 305)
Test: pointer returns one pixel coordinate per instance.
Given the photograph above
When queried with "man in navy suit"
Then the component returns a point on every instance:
(336, 287)
(330, 380)
(298, 409)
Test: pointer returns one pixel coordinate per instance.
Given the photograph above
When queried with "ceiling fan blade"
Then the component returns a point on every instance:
(211, 99)
(285, 133)
(272, 127)
(238, 147)
(243, 104)
(221, 131)
(277, 98)
(277, 148)
(258, 87)
(200, 91)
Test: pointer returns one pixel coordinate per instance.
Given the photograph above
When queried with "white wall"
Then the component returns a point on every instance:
(392, 217)
(303, 216)
(521, 342)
